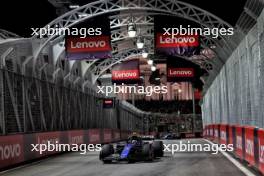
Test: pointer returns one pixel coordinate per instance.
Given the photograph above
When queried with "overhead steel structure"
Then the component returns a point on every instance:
(222, 46)
(165, 7)
(4, 34)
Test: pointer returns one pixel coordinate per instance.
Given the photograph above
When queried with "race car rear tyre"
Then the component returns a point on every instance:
(158, 148)
(106, 151)
(148, 152)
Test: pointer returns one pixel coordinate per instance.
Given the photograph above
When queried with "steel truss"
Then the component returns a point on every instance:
(7, 34)
(118, 35)
(169, 7)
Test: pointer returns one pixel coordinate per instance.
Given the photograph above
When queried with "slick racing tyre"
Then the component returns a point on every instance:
(158, 148)
(106, 151)
(148, 152)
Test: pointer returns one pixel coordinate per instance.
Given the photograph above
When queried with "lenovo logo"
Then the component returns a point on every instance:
(261, 153)
(94, 138)
(223, 135)
(76, 140)
(239, 142)
(100, 43)
(249, 147)
(166, 41)
(92, 44)
(125, 74)
(9, 151)
(180, 72)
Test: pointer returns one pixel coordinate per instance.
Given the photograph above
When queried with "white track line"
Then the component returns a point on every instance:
(235, 162)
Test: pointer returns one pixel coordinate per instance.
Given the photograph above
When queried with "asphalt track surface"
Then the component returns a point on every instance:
(179, 164)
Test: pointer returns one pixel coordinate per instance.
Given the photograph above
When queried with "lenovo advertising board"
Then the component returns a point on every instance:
(108, 103)
(169, 42)
(126, 72)
(95, 44)
(180, 70)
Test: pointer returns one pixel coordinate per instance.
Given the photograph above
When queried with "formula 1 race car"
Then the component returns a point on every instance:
(134, 149)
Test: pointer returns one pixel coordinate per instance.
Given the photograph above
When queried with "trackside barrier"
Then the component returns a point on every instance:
(15, 149)
(240, 142)
(224, 133)
(260, 143)
(248, 141)
(210, 129)
(232, 134)
(216, 137)
(107, 135)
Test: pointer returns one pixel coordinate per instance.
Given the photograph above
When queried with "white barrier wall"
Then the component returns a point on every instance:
(237, 94)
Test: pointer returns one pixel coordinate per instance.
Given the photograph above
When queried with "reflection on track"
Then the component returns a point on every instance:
(179, 164)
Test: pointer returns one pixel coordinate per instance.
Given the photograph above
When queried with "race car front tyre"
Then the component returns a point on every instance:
(148, 152)
(106, 151)
(158, 148)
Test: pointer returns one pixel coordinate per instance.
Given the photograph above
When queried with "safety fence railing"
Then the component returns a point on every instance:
(30, 105)
(247, 141)
(236, 96)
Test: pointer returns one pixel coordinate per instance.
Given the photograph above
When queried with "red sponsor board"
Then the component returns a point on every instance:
(11, 150)
(211, 131)
(94, 136)
(205, 130)
(125, 74)
(107, 135)
(76, 137)
(124, 134)
(231, 134)
(223, 134)
(216, 133)
(239, 142)
(170, 41)
(180, 72)
(189, 135)
(49, 139)
(88, 44)
(108, 103)
(116, 135)
(261, 150)
(249, 145)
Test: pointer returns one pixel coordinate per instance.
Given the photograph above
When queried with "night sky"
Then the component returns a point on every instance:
(19, 16)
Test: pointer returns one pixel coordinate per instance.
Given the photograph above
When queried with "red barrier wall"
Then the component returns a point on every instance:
(249, 145)
(44, 138)
(76, 137)
(231, 131)
(107, 135)
(211, 131)
(116, 135)
(239, 142)
(216, 137)
(248, 142)
(94, 136)
(261, 150)
(11, 150)
(223, 134)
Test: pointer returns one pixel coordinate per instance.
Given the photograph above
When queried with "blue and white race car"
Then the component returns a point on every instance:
(135, 149)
